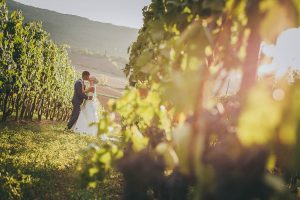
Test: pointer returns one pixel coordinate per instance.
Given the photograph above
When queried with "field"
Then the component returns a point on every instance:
(39, 161)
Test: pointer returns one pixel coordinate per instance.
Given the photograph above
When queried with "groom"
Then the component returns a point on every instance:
(78, 98)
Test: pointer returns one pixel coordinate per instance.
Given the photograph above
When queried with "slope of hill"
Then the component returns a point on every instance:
(97, 64)
(107, 69)
(100, 48)
(80, 33)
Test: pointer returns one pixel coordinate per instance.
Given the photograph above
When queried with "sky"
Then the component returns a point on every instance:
(119, 12)
(285, 54)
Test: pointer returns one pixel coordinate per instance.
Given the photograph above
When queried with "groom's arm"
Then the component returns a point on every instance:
(78, 90)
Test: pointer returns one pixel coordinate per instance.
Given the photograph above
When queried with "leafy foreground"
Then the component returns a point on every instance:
(39, 160)
(196, 122)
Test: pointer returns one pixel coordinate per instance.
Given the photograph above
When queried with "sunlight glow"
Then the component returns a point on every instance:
(284, 54)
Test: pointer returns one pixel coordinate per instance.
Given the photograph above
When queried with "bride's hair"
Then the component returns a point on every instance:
(93, 78)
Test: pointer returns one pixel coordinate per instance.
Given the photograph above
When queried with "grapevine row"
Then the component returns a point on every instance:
(36, 76)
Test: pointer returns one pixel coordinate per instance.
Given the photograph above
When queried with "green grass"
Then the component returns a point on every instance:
(39, 160)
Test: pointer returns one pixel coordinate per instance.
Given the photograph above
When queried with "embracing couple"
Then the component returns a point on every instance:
(85, 106)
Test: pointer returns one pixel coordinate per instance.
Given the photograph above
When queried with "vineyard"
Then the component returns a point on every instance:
(36, 78)
(177, 132)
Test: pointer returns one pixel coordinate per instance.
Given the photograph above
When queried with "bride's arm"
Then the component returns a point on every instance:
(86, 90)
(92, 89)
(89, 88)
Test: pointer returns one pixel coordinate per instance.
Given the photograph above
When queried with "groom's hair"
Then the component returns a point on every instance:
(85, 73)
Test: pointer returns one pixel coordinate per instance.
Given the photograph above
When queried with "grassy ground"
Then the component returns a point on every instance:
(38, 161)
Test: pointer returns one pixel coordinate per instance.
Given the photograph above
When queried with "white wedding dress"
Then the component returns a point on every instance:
(88, 117)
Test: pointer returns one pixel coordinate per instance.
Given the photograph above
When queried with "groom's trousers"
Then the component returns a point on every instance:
(74, 115)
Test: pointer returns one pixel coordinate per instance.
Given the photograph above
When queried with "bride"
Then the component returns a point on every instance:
(88, 117)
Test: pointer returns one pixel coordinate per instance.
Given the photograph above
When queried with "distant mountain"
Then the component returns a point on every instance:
(80, 33)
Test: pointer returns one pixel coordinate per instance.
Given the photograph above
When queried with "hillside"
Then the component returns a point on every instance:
(107, 68)
(97, 64)
(80, 33)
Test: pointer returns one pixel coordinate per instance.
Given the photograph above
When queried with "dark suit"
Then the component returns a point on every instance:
(77, 100)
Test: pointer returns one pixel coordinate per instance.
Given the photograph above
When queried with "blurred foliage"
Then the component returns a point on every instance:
(180, 135)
